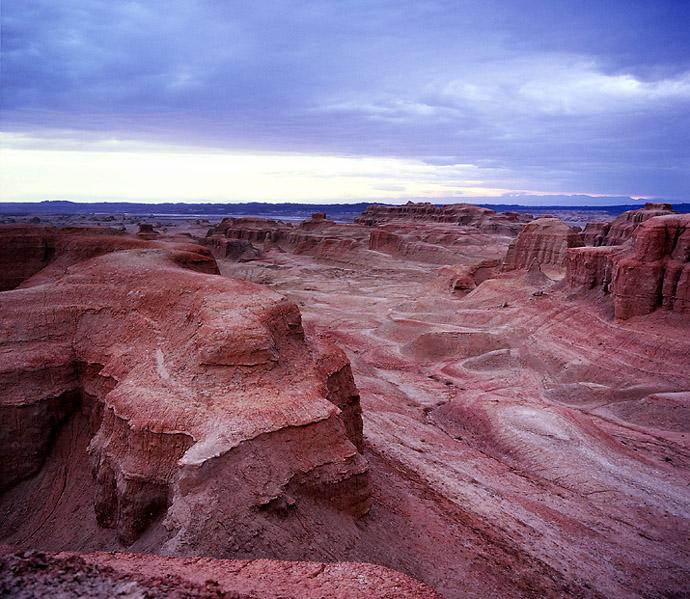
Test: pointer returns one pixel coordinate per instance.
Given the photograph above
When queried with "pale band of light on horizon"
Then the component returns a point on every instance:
(146, 173)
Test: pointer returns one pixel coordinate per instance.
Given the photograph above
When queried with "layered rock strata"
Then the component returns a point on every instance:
(544, 241)
(485, 219)
(129, 575)
(190, 382)
(620, 229)
(652, 271)
(317, 236)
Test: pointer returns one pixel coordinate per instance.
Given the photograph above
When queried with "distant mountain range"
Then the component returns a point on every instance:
(293, 210)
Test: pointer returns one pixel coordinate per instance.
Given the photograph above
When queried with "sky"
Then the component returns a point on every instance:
(344, 100)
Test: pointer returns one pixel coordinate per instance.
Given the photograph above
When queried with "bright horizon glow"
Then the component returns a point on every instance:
(112, 170)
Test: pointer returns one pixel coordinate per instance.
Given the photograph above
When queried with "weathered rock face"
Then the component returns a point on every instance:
(461, 279)
(652, 271)
(128, 575)
(508, 223)
(26, 250)
(250, 228)
(591, 268)
(232, 249)
(620, 229)
(191, 382)
(409, 245)
(544, 241)
(318, 237)
(655, 271)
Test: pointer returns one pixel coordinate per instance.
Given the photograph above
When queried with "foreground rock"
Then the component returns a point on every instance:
(652, 271)
(33, 575)
(196, 397)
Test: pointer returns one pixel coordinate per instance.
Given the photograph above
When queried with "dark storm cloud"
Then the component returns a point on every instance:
(588, 96)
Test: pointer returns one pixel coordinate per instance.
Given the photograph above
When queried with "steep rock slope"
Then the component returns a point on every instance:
(202, 395)
(651, 271)
(133, 575)
(544, 241)
(620, 229)
(485, 219)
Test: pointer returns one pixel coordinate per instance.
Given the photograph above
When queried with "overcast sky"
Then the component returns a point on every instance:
(344, 100)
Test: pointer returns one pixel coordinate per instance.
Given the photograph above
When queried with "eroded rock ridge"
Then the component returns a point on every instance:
(190, 382)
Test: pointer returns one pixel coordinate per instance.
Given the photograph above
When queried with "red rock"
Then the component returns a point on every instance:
(188, 378)
(655, 270)
(107, 575)
(232, 249)
(591, 267)
(620, 229)
(464, 278)
(26, 250)
(250, 228)
(317, 221)
(544, 241)
(651, 271)
(485, 219)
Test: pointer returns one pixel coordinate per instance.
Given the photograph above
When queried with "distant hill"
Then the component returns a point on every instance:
(249, 208)
(287, 210)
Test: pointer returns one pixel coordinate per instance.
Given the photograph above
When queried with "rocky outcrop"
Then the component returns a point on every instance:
(203, 393)
(317, 221)
(655, 271)
(231, 249)
(544, 241)
(250, 228)
(620, 229)
(26, 250)
(507, 223)
(131, 575)
(591, 268)
(461, 279)
(652, 271)
(428, 243)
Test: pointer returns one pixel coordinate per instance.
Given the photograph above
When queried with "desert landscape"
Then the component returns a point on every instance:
(428, 401)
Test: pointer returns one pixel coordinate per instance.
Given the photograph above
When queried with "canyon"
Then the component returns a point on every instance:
(491, 404)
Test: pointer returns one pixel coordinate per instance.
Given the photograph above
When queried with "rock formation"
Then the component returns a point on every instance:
(485, 219)
(250, 228)
(591, 268)
(652, 271)
(544, 241)
(464, 278)
(29, 575)
(620, 229)
(189, 381)
(655, 271)
(231, 249)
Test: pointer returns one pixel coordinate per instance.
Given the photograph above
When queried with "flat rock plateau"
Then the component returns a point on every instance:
(430, 401)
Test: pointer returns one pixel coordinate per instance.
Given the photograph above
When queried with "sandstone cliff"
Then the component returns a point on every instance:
(202, 394)
(620, 229)
(544, 241)
(651, 271)
(485, 219)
